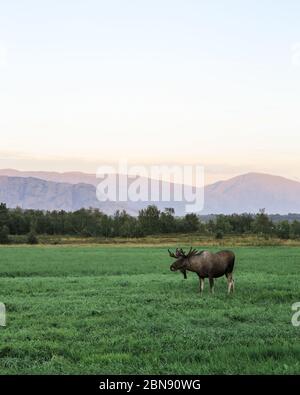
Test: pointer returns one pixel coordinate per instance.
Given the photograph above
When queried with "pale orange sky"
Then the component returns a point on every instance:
(204, 83)
(213, 172)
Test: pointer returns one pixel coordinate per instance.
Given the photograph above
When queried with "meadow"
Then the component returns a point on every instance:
(119, 310)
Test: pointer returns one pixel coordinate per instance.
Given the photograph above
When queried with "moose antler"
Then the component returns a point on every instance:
(181, 254)
(176, 255)
(192, 252)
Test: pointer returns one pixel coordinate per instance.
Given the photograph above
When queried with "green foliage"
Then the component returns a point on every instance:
(283, 230)
(219, 235)
(92, 310)
(150, 222)
(295, 229)
(167, 221)
(4, 212)
(263, 225)
(191, 223)
(32, 238)
(223, 225)
(4, 235)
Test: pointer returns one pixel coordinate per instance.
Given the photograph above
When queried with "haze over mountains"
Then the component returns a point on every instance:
(69, 177)
(75, 190)
(251, 192)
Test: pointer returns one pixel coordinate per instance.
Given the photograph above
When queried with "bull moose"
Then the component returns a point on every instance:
(206, 265)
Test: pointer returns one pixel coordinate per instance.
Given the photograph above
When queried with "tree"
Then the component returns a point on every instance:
(219, 235)
(283, 230)
(4, 235)
(191, 223)
(124, 225)
(223, 225)
(167, 221)
(4, 215)
(149, 220)
(19, 222)
(241, 224)
(295, 229)
(262, 224)
(32, 238)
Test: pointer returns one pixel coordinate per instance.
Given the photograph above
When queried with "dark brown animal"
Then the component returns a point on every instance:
(206, 265)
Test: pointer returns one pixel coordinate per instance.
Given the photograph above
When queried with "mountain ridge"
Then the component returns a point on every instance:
(244, 193)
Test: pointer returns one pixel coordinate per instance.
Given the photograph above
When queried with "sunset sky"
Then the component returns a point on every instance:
(216, 83)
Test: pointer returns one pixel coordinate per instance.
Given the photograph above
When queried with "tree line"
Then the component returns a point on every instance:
(150, 221)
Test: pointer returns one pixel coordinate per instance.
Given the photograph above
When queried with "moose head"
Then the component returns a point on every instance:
(182, 258)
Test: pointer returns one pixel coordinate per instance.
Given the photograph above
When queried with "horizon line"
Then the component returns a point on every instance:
(258, 173)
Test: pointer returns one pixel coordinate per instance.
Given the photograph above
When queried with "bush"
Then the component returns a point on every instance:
(219, 235)
(4, 235)
(32, 239)
(283, 230)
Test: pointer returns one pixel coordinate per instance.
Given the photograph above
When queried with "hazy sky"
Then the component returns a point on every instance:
(86, 82)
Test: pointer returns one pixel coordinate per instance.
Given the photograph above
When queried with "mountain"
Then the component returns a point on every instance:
(73, 177)
(245, 193)
(251, 192)
(33, 193)
(49, 201)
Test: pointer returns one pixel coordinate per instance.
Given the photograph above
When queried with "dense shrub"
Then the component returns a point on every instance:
(32, 238)
(4, 235)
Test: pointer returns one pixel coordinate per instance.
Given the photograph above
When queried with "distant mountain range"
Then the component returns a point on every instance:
(35, 193)
(69, 177)
(251, 192)
(75, 190)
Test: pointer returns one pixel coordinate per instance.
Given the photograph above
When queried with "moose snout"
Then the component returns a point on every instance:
(172, 268)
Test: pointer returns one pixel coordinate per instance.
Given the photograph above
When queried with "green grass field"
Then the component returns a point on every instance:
(119, 310)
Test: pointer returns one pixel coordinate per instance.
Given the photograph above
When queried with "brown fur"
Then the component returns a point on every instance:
(206, 265)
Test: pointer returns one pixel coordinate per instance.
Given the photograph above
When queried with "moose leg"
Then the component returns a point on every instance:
(230, 283)
(212, 285)
(184, 273)
(201, 285)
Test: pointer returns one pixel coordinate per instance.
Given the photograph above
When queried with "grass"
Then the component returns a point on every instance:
(107, 310)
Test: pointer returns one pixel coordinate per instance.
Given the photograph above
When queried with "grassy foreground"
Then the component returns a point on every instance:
(101, 310)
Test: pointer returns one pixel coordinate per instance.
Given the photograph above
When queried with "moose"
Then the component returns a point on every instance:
(206, 265)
